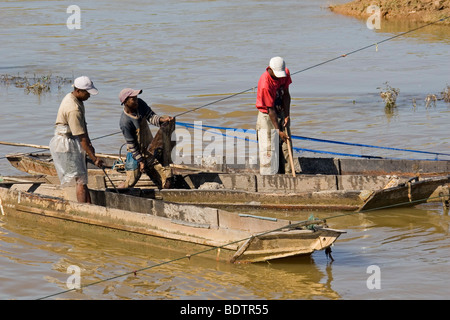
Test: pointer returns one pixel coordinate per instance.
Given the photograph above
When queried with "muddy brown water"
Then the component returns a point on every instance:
(187, 54)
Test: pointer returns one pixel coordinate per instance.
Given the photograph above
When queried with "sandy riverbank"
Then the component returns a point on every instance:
(411, 10)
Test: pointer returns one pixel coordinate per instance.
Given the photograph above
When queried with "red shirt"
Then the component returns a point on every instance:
(267, 90)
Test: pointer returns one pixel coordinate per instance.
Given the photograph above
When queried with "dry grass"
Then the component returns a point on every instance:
(36, 84)
(389, 95)
(446, 94)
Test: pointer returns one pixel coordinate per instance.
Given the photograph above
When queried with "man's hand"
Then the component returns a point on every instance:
(287, 122)
(142, 166)
(284, 136)
(98, 162)
(165, 119)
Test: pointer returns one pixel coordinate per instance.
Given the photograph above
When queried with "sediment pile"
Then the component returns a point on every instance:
(413, 10)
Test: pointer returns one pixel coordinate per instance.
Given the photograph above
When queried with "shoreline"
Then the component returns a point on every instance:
(425, 11)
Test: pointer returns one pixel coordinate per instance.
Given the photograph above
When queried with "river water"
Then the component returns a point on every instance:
(187, 54)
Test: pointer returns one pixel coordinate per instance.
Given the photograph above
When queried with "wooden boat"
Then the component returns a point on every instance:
(240, 237)
(41, 163)
(324, 183)
(413, 192)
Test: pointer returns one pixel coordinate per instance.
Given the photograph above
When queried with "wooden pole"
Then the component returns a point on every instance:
(24, 145)
(291, 159)
(18, 144)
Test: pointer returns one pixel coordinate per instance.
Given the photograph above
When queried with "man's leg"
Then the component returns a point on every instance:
(132, 178)
(82, 191)
(160, 175)
(268, 143)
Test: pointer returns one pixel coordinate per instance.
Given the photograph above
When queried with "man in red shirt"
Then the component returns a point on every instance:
(273, 102)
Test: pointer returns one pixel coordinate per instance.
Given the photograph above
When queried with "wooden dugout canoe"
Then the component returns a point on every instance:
(41, 163)
(241, 237)
(326, 184)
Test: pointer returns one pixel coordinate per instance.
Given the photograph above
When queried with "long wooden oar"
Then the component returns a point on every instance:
(18, 144)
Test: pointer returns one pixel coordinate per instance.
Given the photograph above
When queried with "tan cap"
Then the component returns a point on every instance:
(128, 92)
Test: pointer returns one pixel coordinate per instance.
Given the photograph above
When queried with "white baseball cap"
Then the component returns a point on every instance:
(278, 67)
(84, 83)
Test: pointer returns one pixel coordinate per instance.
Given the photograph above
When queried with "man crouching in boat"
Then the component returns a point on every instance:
(71, 142)
(134, 125)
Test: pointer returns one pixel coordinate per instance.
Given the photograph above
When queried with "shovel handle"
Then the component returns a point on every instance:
(291, 159)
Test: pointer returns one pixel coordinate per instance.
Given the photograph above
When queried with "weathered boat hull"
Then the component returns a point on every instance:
(276, 245)
(409, 194)
(375, 167)
(242, 238)
(238, 199)
(326, 184)
(40, 163)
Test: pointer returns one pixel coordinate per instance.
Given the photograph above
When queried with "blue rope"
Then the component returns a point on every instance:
(295, 149)
(298, 150)
(368, 146)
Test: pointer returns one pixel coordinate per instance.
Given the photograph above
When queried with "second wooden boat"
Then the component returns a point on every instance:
(240, 237)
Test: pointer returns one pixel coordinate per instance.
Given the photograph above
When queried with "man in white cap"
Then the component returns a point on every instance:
(273, 102)
(134, 125)
(71, 142)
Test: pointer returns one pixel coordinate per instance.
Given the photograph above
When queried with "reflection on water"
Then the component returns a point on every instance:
(416, 239)
(101, 254)
(423, 32)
